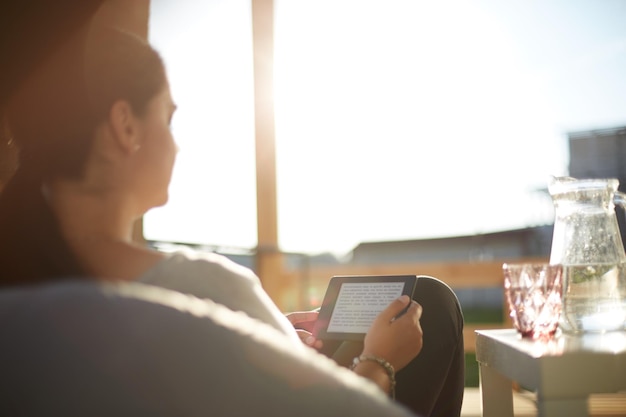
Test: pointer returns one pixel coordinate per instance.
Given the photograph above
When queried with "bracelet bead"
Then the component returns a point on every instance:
(391, 373)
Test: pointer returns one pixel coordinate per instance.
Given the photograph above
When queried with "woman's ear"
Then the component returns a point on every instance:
(124, 126)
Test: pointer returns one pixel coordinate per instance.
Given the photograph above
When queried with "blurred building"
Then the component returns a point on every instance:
(509, 244)
(600, 153)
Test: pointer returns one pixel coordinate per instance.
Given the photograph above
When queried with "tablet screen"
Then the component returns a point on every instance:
(352, 303)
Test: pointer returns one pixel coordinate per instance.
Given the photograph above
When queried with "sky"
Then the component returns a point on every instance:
(395, 119)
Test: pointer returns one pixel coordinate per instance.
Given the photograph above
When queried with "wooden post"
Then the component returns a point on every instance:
(269, 260)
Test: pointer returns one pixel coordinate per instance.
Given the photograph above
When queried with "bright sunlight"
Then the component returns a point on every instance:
(395, 119)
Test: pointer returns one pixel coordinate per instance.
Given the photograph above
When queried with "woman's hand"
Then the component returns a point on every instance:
(303, 322)
(397, 340)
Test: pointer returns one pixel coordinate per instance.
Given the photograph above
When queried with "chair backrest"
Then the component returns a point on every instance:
(82, 348)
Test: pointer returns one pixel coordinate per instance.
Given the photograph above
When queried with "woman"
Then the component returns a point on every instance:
(96, 152)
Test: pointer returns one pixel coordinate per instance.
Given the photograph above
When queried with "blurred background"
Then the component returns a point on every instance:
(395, 119)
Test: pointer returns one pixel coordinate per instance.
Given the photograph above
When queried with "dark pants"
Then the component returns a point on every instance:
(433, 383)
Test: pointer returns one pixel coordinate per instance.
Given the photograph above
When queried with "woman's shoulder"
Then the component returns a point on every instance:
(215, 277)
(200, 273)
(203, 262)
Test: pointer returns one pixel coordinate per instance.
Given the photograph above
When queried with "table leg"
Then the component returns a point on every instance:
(568, 407)
(496, 393)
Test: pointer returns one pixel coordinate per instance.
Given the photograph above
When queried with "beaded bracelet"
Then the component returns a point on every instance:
(385, 364)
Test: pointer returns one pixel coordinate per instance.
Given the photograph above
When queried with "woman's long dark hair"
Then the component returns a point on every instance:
(51, 120)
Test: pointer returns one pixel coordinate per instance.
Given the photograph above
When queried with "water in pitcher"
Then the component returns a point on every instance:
(593, 298)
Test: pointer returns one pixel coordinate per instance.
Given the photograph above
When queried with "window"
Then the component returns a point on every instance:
(207, 48)
(395, 119)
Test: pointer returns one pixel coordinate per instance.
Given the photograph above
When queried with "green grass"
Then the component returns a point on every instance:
(471, 370)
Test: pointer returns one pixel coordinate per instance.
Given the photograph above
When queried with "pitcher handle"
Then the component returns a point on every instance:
(619, 198)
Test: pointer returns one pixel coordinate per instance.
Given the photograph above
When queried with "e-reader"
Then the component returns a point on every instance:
(351, 303)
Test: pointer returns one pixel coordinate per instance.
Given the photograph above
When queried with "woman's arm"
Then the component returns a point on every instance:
(389, 345)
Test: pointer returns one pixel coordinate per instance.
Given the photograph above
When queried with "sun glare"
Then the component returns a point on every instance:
(395, 119)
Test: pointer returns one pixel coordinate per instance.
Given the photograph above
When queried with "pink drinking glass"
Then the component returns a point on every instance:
(533, 294)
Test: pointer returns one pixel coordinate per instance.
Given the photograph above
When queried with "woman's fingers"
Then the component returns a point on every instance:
(308, 339)
(302, 319)
(396, 307)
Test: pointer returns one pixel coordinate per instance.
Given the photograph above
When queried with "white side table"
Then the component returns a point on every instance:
(563, 371)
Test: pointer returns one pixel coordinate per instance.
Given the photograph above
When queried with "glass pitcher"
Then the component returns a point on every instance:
(586, 241)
